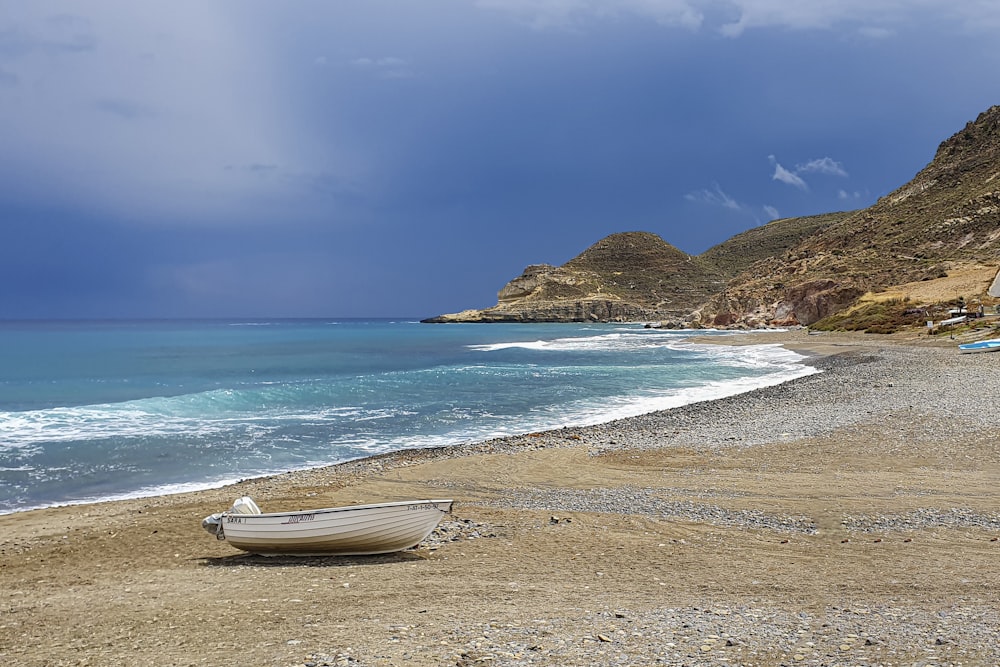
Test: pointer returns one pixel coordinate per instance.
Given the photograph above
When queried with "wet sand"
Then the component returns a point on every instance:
(847, 517)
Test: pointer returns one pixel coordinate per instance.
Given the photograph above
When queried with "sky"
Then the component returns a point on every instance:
(374, 158)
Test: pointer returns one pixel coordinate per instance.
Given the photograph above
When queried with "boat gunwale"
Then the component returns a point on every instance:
(347, 508)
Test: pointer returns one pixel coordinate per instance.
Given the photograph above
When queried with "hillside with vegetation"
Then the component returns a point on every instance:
(771, 240)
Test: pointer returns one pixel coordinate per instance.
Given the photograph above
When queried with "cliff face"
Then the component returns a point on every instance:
(793, 271)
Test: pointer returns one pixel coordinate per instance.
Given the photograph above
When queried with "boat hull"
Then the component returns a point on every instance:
(358, 530)
(980, 346)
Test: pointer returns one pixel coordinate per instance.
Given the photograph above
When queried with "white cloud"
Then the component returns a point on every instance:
(870, 18)
(714, 197)
(573, 14)
(785, 176)
(771, 212)
(823, 165)
(800, 15)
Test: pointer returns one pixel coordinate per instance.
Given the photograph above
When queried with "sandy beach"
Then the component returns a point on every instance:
(849, 517)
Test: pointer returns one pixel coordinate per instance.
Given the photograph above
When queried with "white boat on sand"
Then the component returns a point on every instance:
(355, 530)
(992, 345)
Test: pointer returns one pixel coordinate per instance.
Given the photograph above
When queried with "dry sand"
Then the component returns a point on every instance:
(849, 517)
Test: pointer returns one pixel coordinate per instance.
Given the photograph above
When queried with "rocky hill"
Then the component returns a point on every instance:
(637, 276)
(624, 277)
(774, 239)
(791, 271)
(946, 219)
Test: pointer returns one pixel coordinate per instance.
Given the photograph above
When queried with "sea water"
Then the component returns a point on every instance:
(103, 410)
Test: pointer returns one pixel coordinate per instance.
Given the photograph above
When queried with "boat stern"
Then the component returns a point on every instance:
(213, 525)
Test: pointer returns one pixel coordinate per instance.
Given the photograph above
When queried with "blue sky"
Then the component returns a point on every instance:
(250, 158)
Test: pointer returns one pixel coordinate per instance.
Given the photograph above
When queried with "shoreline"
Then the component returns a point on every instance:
(691, 395)
(847, 517)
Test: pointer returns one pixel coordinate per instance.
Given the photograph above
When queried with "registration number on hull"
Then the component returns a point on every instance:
(422, 506)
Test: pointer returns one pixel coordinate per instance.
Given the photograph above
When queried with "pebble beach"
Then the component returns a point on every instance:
(848, 517)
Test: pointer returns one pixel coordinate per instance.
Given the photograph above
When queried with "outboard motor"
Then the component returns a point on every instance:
(213, 524)
(245, 505)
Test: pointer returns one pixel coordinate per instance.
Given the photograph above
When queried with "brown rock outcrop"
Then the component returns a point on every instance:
(631, 276)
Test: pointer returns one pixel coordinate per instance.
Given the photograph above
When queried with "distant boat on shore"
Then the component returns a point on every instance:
(356, 530)
(992, 345)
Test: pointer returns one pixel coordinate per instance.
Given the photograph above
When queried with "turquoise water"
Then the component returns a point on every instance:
(99, 410)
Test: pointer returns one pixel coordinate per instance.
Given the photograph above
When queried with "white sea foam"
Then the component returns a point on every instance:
(583, 413)
(786, 366)
(767, 355)
(604, 342)
(26, 429)
(619, 409)
(588, 414)
(145, 492)
(187, 487)
(186, 415)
